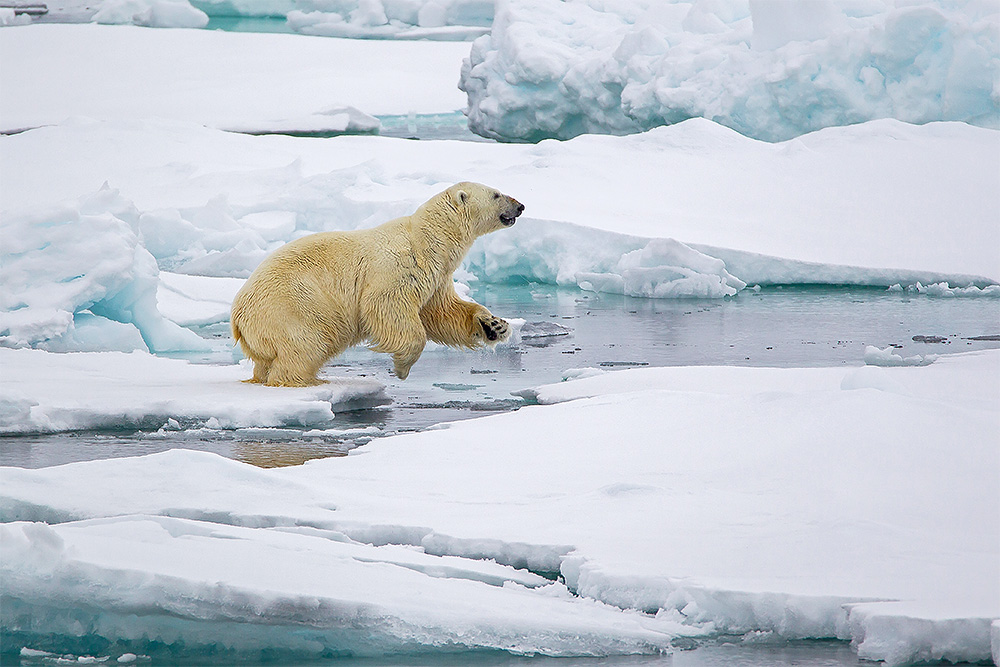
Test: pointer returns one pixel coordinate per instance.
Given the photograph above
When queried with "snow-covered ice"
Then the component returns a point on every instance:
(78, 278)
(57, 392)
(454, 20)
(887, 357)
(767, 68)
(150, 13)
(449, 20)
(856, 503)
(823, 497)
(688, 210)
(239, 81)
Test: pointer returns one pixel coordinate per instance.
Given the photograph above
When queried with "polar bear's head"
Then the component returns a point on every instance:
(486, 209)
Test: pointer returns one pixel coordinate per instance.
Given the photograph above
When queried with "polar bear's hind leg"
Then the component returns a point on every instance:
(295, 368)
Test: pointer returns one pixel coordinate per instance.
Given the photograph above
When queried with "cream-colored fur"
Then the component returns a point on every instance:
(390, 286)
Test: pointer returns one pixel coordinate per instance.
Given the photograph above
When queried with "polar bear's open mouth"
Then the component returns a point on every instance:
(509, 218)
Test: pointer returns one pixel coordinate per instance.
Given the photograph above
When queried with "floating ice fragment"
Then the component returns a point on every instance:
(35, 653)
(886, 357)
(544, 330)
(446, 20)
(944, 289)
(453, 386)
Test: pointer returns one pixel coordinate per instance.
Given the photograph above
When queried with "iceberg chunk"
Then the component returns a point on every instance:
(770, 70)
(67, 270)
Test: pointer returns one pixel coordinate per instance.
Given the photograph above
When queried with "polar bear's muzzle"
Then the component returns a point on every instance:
(514, 209)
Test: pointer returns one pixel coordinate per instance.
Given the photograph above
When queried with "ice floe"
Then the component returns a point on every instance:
(45, 392)
(150, 13)
(239, 81)
(453, 20)
(828, 503)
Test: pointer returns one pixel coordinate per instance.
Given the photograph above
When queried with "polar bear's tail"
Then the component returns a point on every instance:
(237, 336)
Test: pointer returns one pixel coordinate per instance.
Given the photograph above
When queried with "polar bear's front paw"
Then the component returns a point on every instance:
(496, 329)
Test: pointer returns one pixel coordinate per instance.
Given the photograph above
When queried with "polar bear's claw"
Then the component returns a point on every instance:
(495, 329)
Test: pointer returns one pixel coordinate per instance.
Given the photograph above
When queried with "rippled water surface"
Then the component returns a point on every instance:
(568, 329)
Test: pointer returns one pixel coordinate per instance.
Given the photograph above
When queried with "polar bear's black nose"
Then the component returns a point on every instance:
(509, 216)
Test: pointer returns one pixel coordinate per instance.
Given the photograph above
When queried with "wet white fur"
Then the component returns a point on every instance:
(390, 286)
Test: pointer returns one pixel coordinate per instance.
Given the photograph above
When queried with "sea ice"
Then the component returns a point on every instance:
(850, 503)
(886, 357)
(728, 213)
(44, 392)
(74, 275)
(817, 508)
(768, 69)
(9, 17)
(150, 13)
(451, 20)
(239, 81)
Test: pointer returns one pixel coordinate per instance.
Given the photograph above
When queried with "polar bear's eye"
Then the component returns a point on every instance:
(496, 195)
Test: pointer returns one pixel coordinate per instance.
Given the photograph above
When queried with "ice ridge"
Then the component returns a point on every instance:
(770, 70)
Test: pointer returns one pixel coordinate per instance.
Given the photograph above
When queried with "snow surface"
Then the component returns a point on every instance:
(855, 503)
(689, 210)
(769, 69)
(242, 81)
(45, 392)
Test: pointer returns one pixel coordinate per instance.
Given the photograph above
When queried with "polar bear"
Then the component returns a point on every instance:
(390, 286)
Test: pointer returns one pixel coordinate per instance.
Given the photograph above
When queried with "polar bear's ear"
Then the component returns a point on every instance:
(461, 197)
